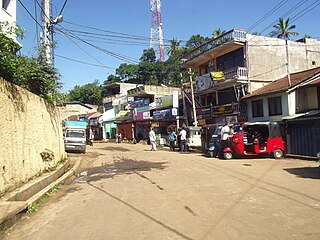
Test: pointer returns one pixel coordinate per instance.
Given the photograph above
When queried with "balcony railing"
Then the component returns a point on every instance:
(232, 35)
(239, 73)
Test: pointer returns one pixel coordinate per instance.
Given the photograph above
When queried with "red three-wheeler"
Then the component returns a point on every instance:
(253, 139)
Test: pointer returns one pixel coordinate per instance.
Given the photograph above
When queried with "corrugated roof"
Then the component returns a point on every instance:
(282, 84)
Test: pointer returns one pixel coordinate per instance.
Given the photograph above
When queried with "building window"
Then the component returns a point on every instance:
(275, 106)
(257, 108)
(5, 4)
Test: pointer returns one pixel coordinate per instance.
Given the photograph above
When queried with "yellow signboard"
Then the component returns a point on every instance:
(217, 76)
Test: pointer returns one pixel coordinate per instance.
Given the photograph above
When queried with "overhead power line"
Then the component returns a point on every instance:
(78, 61)
(119, 33)
(110, 53)
(64, 4)
(274, 9)
(30, 14)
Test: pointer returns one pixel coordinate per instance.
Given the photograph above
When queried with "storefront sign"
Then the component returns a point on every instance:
(204, 112)
(203, 82)
(174, 112)
(175, 99)
(222, 109)
(138, 103)
(160, 114)
(155, 124)
(165, 101)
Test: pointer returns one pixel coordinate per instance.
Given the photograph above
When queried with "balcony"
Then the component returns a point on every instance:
(230, 41)
(238, 73)
(206, 83)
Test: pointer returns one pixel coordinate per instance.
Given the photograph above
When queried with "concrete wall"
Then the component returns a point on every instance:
(8, 14)
(267, 58)
(266, 116)
(31, 136)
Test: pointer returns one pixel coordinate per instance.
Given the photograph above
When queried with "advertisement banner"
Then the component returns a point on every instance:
(160, 114)
(138, 103)
(203, 82)
(165, 101)
(204, 112)
(222, 109)
(175, 99)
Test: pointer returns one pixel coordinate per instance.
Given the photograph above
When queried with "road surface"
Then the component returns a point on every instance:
(130, 192)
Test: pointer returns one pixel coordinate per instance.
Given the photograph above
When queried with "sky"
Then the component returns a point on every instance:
(131, 20)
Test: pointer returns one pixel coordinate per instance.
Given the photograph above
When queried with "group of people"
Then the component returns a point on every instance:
(172, 138)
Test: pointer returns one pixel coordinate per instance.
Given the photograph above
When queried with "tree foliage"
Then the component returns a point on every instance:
(283, 29)
(37, 77)
(90, 93)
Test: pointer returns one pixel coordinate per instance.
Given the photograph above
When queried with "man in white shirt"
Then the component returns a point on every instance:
(152, 137)
(183, 139)
(225, 132)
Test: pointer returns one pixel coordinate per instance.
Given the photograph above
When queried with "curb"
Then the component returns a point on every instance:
(15, 209)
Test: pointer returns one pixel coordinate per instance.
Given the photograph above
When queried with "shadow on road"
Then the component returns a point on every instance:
(305, 172)
(119, 167)
(116, 149)
(164, 225)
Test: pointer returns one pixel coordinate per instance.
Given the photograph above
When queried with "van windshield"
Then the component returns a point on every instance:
(75, 134)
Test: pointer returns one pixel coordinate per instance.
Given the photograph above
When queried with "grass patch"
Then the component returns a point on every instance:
(32, 208)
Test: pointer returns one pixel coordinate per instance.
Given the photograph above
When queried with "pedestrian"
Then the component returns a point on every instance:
(152, 138)
(172, 138)
(120, 137)
(225, 131)
(183, 139)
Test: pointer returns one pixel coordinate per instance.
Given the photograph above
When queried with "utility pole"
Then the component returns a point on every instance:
(47, 30)
(288, 66)
(193, 102)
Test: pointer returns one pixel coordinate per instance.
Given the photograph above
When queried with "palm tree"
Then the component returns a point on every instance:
(174, 45)
(283, 30)
(217, 32)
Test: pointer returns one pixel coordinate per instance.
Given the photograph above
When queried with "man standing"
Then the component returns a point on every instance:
(183, 139)
(152, 137)
(225, 131)
(173, 138)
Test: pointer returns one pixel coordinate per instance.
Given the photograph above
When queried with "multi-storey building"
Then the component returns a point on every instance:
(114, 105)
(237, 63)
(8, 18)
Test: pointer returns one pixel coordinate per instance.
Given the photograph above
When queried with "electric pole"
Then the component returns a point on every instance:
(47, 31)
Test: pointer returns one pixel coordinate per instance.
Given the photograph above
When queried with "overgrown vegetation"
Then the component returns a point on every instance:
(31, 73)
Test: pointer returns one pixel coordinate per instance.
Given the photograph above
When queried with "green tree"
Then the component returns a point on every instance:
(37, 77)
(127, 72)
(196, 40)
(283, 29)
(174, 46)
(112, 79)
(217, 32)
(90, 93)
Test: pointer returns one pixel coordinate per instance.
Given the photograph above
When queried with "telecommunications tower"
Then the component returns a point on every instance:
(156, 37)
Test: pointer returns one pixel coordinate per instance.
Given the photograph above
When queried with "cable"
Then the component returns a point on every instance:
(116, 55)
(65, 2)
(36, 15)
(267, 14)
(30, 14)
(78, 61)
(296, 17)
(123, 34)
(86, 51)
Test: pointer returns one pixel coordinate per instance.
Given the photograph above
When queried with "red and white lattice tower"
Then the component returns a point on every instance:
(156, 37)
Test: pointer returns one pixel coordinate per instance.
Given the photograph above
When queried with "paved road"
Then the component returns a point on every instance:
(133, 193)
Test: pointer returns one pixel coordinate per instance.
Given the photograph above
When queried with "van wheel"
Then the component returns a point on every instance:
(227, 155)
(278, 153)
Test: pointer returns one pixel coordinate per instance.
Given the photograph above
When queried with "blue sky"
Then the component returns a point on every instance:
(181, 19)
